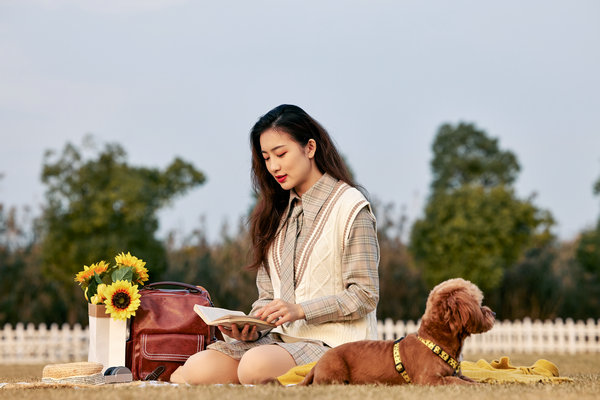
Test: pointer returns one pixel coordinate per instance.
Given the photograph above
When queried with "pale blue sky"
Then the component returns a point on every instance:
(189, 79)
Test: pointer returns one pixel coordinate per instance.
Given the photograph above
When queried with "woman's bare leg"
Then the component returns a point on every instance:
(207, 367)
(264, 362)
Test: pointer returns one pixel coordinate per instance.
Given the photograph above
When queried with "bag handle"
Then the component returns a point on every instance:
(191, 288)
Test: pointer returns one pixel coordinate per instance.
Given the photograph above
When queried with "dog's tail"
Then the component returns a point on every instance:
(310, 377)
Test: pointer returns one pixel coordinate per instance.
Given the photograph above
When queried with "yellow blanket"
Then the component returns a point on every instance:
(542, 371)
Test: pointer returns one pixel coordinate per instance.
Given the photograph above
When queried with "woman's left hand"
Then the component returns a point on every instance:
(248, 334)
(279, 312)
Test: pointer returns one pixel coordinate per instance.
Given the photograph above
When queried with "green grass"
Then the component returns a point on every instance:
(584, 369)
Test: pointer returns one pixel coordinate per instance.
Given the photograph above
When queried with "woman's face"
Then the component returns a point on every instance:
(291, 164)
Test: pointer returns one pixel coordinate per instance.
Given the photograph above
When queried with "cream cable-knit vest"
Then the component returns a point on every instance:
(319, 271)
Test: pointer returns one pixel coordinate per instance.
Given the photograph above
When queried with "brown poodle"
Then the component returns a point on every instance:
(453, 312)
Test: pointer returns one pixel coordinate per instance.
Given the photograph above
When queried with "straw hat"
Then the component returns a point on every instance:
(87, 373)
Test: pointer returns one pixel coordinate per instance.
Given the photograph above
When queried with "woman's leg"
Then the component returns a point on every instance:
(264, 362)
(206, 367)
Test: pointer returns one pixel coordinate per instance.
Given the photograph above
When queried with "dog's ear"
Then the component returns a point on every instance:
(460, 310)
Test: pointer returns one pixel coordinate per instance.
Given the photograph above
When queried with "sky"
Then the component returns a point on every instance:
(188, 79)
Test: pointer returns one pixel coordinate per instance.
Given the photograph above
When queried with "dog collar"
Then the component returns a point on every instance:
(399, 366)
(442, 354)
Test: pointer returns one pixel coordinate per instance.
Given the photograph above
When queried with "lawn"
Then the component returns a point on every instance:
(583, 368)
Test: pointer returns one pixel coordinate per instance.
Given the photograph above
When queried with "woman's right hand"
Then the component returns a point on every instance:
(248, 334)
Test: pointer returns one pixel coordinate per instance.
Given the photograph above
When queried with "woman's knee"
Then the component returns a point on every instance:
(207, 367)
(263, 363)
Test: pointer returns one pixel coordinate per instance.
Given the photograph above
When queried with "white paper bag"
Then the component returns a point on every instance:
(107, 338)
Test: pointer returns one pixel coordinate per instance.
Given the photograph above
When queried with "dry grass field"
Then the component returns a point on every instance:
(584, 369)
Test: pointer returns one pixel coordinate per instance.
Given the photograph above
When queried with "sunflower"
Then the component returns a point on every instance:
(83, 276)
(122, 299)
(100, 296)
(128, 260)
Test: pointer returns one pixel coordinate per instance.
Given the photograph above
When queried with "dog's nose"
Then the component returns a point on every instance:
(494, 314)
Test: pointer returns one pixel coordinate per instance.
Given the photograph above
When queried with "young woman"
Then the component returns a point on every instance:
(315, 252)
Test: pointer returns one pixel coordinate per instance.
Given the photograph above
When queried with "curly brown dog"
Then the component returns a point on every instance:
(453, 312)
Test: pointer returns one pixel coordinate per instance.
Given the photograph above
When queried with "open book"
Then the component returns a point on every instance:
(221, 316)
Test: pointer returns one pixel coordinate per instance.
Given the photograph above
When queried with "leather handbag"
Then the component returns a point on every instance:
(165, 330)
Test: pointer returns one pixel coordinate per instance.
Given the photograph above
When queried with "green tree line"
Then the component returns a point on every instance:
(474, 226)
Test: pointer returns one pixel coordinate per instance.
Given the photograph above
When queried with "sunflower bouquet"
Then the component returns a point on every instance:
(115, 286)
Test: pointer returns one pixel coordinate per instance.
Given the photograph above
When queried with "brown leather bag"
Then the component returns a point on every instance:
(165, 330)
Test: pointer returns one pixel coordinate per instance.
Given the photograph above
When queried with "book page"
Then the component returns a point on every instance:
(209, 314)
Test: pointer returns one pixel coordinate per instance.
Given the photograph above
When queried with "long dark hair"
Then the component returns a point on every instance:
(272, 199)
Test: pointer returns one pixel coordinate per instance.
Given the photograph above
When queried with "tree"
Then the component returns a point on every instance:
(218, 267)
(588, 260)
(99, 206)
(464, 155)
(580, 288)
(402, 291)
(533, 287)
(476, 234)
(474, 225)
(588, 251)
(20, 272)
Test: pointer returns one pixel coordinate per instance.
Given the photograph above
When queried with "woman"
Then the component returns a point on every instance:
(315, 253)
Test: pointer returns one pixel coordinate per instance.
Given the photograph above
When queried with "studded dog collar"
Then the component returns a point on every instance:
(398, 361)
(442, 354)
(433, 347)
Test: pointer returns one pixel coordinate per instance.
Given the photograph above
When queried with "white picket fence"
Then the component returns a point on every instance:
(30, 344)
(525, 336)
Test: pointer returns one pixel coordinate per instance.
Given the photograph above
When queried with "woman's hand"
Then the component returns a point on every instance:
(279, 312)
(248, 334)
